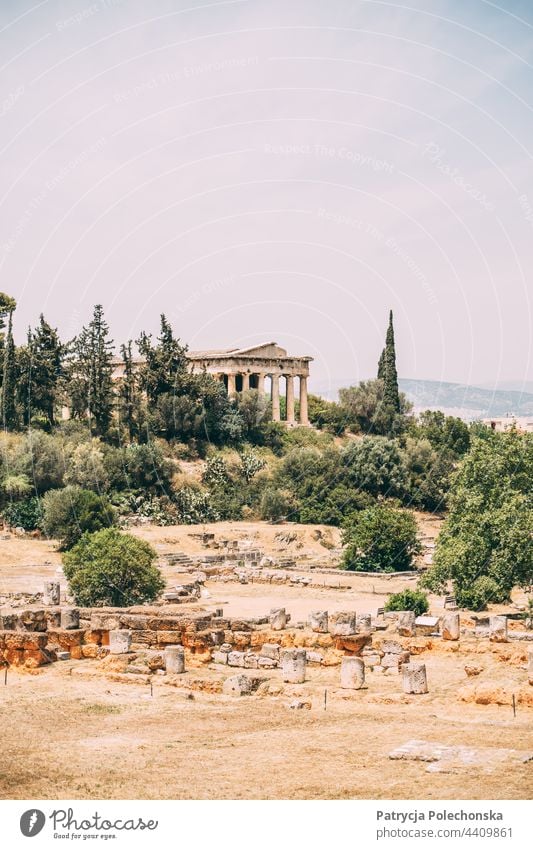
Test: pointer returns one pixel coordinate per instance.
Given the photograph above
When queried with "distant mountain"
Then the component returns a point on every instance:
(468, 402)
(474, 401)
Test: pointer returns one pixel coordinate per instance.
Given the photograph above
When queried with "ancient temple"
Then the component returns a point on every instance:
(260, 367)
(266, 367)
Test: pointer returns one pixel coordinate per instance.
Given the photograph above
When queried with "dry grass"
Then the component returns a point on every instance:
(83, 736)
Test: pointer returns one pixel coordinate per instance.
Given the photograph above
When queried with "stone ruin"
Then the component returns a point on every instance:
(169, 641)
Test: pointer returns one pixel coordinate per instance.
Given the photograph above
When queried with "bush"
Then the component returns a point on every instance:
(274, 505)
(142, 467)
(70, 512)
(380, 539)
(480, 593)
(414, 600)
(194, 507)
(25, 514)
(86, 467)
(112, 569)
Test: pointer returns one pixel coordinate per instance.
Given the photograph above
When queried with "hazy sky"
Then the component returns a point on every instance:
(280, 170)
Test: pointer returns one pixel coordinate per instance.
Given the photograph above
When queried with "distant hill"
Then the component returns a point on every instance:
(473, 400)
(468, 402)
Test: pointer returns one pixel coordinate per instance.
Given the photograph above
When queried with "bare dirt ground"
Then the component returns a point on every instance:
(78, 736)
(70, 732)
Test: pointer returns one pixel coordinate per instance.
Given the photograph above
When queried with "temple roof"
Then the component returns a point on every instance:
(268, 350)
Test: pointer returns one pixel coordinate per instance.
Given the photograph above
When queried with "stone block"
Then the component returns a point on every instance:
(104, 622)
(498, 629)
(318, 621)
(52, 593)
(451, 626)
(426, 625)
(293, 665)
(414, 679)
(391, 647)
(352, 673)
(406, 624)
(70, 618)
(119, 642)
(251, 661)
(172, 638)
(63, 655)
(237, 685)
(394, 661)
(371, 660)
(270, 650)
(278, 618)
(220, 657)
(266, 663)
(343, 623)
(314, 657)
(236, 658)
(364, 622)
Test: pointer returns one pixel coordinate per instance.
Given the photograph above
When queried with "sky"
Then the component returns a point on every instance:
(265, 170)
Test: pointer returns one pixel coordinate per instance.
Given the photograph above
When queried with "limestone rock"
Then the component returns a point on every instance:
(318, 621)
(238, 685)
(451, 626)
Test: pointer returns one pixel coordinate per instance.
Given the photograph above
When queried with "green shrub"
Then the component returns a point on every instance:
(194, 507)
(482, 591)
(112, 569)
(142, 467)
(408, 600)
(25, 514)
(380, 539)
(70, 512)
(274, 505)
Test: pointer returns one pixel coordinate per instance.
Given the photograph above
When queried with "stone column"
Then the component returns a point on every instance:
(275, 398)
(498, 629)
(451, 626)
(293, 665)
(414, 678)
(52, 592)
(231, 384)
(278, 618)
(261, 383)
(290, 398)
(304, 416)
(352, 673)
(175, 659)
(318, 621)
(245, 382)
(119, 642)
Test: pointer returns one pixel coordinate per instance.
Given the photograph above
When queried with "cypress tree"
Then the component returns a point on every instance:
(391, 393)
(9, 380)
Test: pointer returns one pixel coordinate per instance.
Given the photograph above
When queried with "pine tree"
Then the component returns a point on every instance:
(128, 393)
(9, 380)
(165, 364)
(90, 383)
(40, 371)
